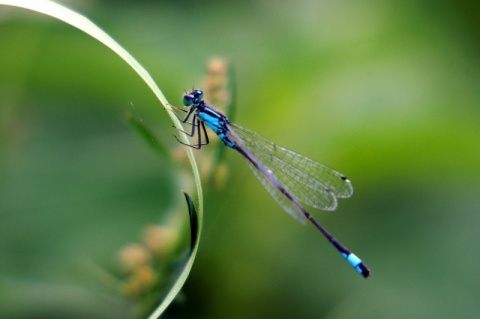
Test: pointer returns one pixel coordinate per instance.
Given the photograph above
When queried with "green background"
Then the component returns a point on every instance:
(386, 92)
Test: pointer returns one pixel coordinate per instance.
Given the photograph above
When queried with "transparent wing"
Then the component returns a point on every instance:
(308, 181)
(268, 181)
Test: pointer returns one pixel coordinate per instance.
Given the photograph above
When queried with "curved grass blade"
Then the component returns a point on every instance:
(195, 230)
(80, 22)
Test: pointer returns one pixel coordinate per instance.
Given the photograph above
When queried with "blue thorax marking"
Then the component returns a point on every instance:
(212, 119)
(216, 121)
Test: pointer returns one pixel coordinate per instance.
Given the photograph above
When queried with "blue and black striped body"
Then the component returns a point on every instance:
(216, 121)
(287, 176)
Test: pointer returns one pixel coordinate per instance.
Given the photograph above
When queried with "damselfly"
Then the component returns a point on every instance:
(289, 177)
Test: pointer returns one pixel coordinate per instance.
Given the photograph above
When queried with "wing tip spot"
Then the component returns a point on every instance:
(345, 178)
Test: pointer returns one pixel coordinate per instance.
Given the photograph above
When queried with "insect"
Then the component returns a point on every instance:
(290, 178)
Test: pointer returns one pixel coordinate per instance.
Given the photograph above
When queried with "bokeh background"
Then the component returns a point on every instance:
(387, 92)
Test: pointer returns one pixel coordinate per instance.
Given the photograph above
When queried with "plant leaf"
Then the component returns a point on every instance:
(147, 135)
(193, 222)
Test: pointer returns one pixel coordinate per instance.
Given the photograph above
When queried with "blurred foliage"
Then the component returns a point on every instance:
(384, 91)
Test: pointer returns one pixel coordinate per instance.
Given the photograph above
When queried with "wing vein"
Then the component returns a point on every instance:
(309, 181)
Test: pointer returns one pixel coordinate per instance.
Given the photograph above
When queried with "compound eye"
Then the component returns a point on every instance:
(188, 99)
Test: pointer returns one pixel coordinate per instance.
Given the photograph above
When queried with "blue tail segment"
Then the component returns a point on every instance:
(351, 258)
(290, 178)
(356, 263)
